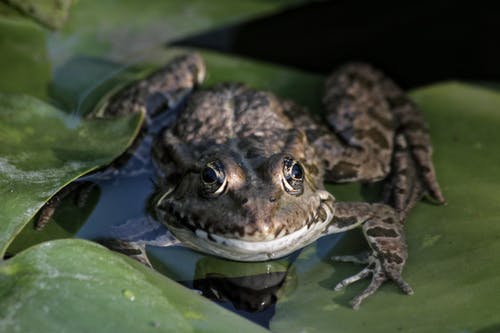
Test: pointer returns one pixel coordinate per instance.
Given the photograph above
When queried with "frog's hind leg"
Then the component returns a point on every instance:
(413, 147)
(403, 188)
(384, 134)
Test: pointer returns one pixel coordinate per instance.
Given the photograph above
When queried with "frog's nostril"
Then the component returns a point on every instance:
(272, 199)
(244, 201)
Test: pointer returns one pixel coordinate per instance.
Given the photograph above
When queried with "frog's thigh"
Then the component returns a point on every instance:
(366, 110)
(359, 113)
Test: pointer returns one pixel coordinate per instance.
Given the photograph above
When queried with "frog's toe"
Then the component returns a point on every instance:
(350, 280)
(402, 284)
(380, 274)
(361, 258)
(377, 280)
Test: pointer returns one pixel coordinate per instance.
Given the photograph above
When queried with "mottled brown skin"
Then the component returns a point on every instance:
(248, 166)
(157, 91)
(250, 134)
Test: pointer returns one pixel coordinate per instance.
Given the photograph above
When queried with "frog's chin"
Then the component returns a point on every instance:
(245, 250)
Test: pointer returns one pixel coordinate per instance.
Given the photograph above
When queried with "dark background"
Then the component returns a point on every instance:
(413, 42)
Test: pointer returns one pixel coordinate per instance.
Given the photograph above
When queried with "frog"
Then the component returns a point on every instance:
(242, 171)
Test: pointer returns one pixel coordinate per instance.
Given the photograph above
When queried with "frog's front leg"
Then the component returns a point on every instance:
(384, 233)
(132, 237)
(162, 89)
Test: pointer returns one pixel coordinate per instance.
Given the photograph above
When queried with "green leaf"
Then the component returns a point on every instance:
(453, 263)
(220, 68)
(24, 62)
(43, 149)
(78, 286)
(130, 30)
(51, 13)
(105, 34)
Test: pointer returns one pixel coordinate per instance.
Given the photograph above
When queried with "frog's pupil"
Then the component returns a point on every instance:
(209, 175)
(297, 172)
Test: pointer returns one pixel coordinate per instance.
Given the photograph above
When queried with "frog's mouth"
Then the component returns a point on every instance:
(273, 247)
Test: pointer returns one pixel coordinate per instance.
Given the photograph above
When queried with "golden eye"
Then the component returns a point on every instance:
(293, 176)
(213, 178)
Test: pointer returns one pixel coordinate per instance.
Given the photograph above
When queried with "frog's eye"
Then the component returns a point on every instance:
(293, 176)
(213, 178)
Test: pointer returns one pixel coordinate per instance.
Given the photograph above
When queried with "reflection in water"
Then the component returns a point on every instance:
(129, 184)
(257, 297)
(256, 304)
(250, 289)
(240, 287)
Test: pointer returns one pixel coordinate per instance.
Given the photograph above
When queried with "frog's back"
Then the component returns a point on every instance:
(235, 114)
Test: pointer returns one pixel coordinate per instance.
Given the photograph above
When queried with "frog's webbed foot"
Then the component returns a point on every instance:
(383, 230)
(375, 268)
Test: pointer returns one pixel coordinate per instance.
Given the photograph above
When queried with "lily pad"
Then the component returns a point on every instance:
(42, 149)
(51, 13)
(453, 266)
(128, 32)
(34, 60)
(24, 62)
(78, 286)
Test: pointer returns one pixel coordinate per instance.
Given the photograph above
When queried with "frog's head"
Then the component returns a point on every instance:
(247, 208)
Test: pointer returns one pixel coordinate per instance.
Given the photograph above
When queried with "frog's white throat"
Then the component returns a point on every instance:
(244, 250)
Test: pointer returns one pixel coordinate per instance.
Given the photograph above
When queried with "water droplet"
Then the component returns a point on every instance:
(128, 294)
